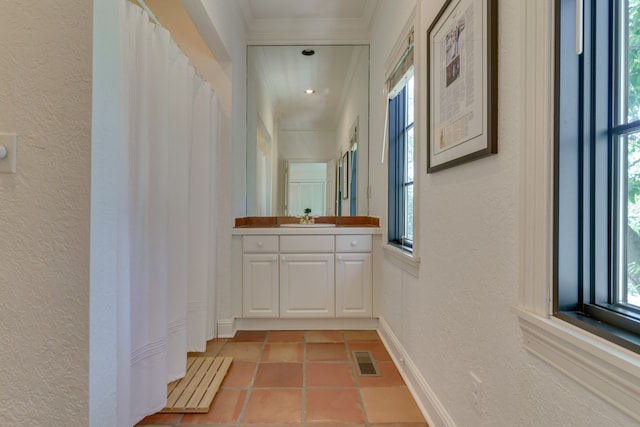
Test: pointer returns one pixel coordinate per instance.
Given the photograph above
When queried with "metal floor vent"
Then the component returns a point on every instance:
(365, 364)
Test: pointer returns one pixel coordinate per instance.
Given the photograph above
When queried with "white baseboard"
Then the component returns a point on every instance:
(226, 328)
(278, 324)
(432, 409)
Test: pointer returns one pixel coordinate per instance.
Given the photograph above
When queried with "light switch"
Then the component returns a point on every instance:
(8, 142)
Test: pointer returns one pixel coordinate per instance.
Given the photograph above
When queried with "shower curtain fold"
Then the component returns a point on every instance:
(166, 181)
(182, 75)
(199, 227)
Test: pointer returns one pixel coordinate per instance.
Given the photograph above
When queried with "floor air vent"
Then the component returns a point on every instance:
(364, 362)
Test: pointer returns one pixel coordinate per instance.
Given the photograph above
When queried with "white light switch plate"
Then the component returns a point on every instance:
(8, 141)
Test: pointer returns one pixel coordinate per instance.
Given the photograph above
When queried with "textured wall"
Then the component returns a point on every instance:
(45, 88)
(457, 317)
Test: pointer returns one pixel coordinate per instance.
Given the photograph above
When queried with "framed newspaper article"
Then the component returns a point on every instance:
(462, 91)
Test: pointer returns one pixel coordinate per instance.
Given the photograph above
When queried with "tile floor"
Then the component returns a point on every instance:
(302, 378)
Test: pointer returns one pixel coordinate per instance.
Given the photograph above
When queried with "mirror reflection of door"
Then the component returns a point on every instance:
(308, 186)
(263, 173)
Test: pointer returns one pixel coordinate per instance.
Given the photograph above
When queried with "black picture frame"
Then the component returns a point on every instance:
(462, 83)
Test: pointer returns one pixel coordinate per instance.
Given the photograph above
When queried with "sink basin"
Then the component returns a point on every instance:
(296, 225)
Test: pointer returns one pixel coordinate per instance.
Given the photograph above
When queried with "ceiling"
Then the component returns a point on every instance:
(294, 25)
(307, 9)
(320, 20)
(286, 74)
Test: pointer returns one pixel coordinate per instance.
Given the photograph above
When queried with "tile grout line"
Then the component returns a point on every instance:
(304, 422)
(303, 414)
(242, 414)
(354, 377)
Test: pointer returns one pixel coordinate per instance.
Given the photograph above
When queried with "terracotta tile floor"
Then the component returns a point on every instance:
(302, 378)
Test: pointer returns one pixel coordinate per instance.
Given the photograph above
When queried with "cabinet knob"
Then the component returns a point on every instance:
(340, 259)
(260, 244)
(283, 258)
(275, 258)
(354, 243)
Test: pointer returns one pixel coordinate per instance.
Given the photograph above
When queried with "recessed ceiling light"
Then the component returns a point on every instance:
(308, 52)
(309, 91)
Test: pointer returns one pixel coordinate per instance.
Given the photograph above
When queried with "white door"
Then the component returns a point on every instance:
(306, 188)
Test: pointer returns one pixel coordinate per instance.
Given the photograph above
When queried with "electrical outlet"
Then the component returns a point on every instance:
(476, 393)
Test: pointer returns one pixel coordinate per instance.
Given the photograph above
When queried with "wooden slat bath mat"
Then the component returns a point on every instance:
(195, 392)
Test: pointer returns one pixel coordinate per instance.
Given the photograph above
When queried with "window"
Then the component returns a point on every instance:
(597, 232)
(401, 162)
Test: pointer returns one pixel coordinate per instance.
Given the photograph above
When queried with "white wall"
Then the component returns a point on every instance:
(45, 87)
(315, 145)
(259, 113)
(456, 317)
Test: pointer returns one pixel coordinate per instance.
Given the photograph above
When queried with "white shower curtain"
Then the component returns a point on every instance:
(165, 180)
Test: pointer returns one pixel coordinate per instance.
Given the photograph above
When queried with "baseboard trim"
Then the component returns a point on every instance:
(434, 412)
(245, 324)
(226, 328)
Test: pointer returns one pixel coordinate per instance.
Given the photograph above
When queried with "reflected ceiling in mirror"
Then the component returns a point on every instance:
(302, 105)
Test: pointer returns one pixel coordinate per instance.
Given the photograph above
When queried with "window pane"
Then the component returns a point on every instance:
(410, 99)
(401, 164)
(408, 229)
(630, 292)
(410, 159)
(631, 54)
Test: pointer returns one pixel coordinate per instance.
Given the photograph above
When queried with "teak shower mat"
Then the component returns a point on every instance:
(195, 392)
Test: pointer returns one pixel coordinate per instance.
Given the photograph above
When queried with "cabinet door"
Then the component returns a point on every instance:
(260, 285)
(307, 285)
(353, 285)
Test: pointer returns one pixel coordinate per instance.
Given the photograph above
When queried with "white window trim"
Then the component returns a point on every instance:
(404, 260)
(604, 368)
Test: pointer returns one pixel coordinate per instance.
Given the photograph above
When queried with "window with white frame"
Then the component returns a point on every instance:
(597, 170)
(401, 153)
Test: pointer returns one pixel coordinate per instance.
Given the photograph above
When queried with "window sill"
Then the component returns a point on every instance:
(608, 370)
(405, 261)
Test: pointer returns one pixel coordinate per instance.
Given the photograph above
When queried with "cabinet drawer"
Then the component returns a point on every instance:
(258, 244)
(353, 243)
(306, 244)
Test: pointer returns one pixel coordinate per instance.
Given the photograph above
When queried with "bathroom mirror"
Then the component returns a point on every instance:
(307, 130)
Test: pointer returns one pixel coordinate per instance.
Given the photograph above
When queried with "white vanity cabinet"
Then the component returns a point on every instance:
(353, 281)
(307, 276)
(321, 276)
(260, 279)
